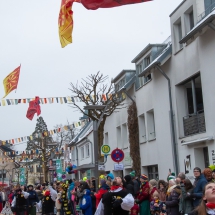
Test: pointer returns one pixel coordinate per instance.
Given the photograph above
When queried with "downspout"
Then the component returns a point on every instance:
(76, 154)
(174, 144)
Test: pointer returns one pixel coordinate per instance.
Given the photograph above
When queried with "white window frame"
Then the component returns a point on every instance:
(82, 152)
(87, 146)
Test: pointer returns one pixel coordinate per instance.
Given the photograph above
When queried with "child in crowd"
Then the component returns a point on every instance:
(156, 206)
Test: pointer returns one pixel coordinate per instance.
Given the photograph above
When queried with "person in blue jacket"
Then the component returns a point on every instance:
(199, 184)
(86, 204)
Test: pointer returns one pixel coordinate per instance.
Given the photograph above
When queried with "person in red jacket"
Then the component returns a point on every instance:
(103, 189)
(144, 196)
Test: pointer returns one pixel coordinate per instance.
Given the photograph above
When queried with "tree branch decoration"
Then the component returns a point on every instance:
(133, 129)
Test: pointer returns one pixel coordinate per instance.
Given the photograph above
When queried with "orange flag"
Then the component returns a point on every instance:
(65, 22)
(11, 81)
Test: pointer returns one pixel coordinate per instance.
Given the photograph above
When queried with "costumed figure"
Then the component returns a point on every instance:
(20, 202)
(69, 194)
(65, 199)
(135, 209)
(7, 210)
(32, 200)
(115, 202)
(144, 196)
(156, 206)
(48, 201)
(86, 203)
(58, 203)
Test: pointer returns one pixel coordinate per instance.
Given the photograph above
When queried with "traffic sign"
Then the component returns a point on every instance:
(117, 155)
(105, 149)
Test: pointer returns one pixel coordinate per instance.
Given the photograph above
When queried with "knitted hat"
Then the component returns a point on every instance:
(144, 177)
(110, 175)
(132, 174)
(171, 176)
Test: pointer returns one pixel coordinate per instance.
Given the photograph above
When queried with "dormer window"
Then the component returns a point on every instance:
(120, 84)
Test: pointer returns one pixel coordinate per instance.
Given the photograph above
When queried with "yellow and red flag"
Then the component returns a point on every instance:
(65, 20)
(11, 81)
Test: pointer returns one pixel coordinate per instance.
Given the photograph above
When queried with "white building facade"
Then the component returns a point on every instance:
(187, 60)
(172, 85)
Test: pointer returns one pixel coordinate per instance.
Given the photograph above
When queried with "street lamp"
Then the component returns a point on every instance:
(96, 124)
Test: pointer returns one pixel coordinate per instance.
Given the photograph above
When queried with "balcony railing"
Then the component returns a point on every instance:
(194, 123)
(206, 12)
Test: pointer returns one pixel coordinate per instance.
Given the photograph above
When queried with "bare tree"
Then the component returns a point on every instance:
(43, 145)
(94, 90)
(65, 136)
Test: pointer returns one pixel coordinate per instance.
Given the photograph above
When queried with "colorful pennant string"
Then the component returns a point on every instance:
(60, 100)
(51, 132)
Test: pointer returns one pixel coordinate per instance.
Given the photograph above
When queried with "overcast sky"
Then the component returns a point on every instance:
(104, 40)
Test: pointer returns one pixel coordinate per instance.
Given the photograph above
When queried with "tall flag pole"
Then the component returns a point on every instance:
(11, 81)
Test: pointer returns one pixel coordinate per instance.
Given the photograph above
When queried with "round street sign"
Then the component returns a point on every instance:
(105, 149)
(117, 155)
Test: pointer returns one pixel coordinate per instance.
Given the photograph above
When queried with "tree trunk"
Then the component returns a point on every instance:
(133, 129)
(101, 138)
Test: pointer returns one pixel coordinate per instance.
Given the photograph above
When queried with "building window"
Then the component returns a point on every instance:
(147, 63)
(177, 34)
(142, 129)
(82, 152)
(120, 84)
(3, 173)
(140, 79)
(194, 122)
(153, 172)
(73, 154)
(87, 150)
(119, 138)
(189, 19)
(106, 139)
(124, 135)
(151, 125)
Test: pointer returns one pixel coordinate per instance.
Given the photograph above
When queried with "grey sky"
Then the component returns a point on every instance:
(104, 40)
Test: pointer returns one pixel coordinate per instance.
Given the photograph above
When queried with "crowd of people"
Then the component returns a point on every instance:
(130, 195)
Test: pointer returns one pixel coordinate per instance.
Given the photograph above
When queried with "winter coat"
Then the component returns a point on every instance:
(172, 202)
(199, 185)
(117, 195)
(136, 187)
(129, 184)
(185, 203)
(143, 193)
(103, 189)
(32, 198)
(151, 193)
(86, 204)
(162, 194)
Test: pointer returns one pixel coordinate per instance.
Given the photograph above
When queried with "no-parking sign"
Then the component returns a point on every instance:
(117, 155)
